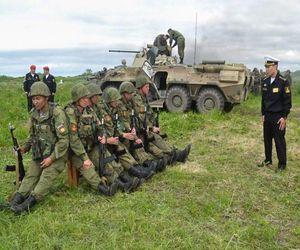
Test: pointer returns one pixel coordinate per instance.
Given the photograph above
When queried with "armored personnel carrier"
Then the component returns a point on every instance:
(206, 86)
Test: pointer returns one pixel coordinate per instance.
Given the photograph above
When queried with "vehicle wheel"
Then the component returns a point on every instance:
(209, 99)
(178, 99)
(228, 107)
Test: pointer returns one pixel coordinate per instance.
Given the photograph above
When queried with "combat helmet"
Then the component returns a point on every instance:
(126, 87)
(111, 94)
(141, 81)
(79, 91)
(39, 88)
(94, 89)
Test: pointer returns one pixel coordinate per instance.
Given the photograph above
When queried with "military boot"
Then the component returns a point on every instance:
(128, 186)
(16, 199)
(181, 155)
(181, 61)
(25, 206)
(108, 190)
(125, 177)
(151, 165)
(171, 158)
(141, 172)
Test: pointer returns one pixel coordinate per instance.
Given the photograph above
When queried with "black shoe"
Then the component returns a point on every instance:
(141, 172)
(17, 199)
(108, 190)
(172, 157)
(182, 155)
(264, 164)
(151, 165)
(128, 186)
(25, 206)
(161, 164)
(280, 168)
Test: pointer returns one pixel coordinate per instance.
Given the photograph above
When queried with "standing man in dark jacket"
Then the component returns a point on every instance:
(275, 107)
(50, 82)
(29, 79)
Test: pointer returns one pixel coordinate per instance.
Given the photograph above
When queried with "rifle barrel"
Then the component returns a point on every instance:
(124, 51)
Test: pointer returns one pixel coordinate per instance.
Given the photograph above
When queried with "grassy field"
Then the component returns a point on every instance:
(218, 199)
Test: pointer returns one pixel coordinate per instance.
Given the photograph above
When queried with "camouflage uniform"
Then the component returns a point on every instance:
(129, 115)
(125, 182)
(179, 41)
(117, 130)
(161, 43)
(48, 137)
(147, 119)
(84, 130)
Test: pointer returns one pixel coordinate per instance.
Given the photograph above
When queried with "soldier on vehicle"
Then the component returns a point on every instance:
(29, 79)
(50, 81)
(179, 41)
(147, 120)
(275, 107)
(48, 139)
(161, 43)
(125, 181)
(84, 127)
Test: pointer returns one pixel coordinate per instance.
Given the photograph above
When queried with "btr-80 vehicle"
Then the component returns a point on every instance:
(209, 85)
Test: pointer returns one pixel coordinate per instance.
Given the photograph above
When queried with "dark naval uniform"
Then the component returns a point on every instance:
(276, 103)
(51, 83)
(29, 79)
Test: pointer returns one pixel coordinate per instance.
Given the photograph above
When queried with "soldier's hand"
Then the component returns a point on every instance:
(22, 150)
(138, 141)
(282, 123)
(46, 162)
(87, 164)
(129, 136)
(102, 139)
(156, 130)
(113, 140)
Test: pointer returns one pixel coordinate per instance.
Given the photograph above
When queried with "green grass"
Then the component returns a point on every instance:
(218, 199)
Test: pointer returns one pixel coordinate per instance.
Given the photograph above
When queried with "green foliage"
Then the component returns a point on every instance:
(218, 199)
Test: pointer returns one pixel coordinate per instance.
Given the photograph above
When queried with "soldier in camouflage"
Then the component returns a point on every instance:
(84, 129)
(147, 117)
(130, 119)
(179, 41)
(161, 43)
(118, 133)
(48, 139)
(125, 182)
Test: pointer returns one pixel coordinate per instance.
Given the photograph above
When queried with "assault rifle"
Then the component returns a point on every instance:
(102, 152)
(156, 124)
(102, 147)
(19, 167)
(133, 146)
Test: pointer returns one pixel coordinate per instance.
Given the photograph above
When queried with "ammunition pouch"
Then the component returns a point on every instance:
(36, 149)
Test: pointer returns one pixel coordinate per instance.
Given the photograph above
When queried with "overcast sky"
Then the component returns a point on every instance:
(71, 36)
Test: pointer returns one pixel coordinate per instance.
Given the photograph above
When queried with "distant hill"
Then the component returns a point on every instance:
(296, 76)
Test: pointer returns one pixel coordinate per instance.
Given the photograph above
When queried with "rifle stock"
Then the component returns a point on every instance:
(20, 171)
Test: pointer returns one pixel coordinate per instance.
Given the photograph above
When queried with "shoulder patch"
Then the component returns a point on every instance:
(61, 128)
(107, 118)
(287, 90)
(73, 127)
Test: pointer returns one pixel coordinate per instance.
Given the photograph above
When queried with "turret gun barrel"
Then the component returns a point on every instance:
(124, 51)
